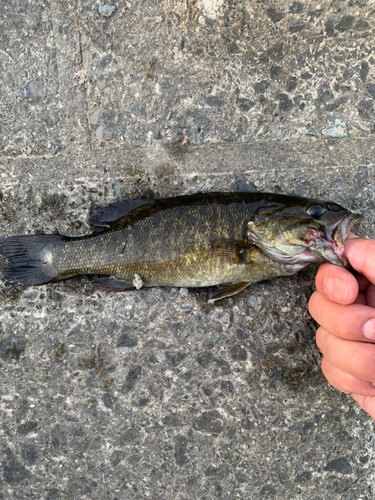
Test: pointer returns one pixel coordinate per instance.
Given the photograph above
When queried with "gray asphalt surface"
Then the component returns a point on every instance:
(157, 394)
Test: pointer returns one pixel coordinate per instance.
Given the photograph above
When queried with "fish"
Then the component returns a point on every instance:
(201, 240)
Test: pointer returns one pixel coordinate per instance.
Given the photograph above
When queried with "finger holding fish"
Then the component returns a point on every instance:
(355, 358)
(350, 322)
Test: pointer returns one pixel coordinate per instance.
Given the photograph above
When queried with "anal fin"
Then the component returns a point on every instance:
(110, 284)
(225, 291)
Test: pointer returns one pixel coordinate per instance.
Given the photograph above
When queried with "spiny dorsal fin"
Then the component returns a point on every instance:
(102, 216)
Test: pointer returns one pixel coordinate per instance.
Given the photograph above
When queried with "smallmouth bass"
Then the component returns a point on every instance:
(200, 240)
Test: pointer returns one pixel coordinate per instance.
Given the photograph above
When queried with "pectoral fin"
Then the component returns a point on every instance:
(225, 291)
(110, 284)
(103, 216)
(241, 251)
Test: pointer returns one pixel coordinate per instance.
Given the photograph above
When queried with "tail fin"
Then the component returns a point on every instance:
(30, 259)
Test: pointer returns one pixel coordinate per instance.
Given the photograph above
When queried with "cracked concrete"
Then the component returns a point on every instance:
(156, 393)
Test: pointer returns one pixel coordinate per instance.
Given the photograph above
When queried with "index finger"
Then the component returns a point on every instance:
(361, 255)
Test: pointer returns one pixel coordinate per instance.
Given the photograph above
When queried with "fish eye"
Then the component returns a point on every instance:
(316, 211)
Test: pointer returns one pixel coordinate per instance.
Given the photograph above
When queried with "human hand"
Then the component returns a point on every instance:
(344, 306)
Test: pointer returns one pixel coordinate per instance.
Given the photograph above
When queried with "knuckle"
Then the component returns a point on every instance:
(340, 325)
(312, 305)
(321, 338)
(352, 362)
(324, 366)
(321, 275)
(338, 379)
(368, 257)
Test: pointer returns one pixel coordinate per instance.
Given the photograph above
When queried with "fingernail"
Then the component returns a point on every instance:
(336, 288)
(352, 236)
(368, 329)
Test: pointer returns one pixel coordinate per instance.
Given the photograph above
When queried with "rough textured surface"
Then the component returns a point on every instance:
(157, 394)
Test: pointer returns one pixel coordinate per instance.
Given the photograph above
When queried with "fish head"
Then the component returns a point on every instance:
(296, 230)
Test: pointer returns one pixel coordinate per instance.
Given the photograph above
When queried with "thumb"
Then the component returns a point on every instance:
(361, 255)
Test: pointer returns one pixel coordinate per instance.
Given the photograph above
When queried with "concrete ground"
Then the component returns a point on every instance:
(158, 394)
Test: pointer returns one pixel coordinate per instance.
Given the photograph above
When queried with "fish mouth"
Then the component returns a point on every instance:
(337, 236)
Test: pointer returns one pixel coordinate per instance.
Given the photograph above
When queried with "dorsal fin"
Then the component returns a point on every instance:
(102, 216)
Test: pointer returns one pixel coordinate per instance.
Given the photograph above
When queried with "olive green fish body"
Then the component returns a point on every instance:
(190, 241)
(168, 244)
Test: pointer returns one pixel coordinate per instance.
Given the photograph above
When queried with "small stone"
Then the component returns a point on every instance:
(303, 478)
(298, 26)
(175, 358)
(276, 52)
(29, 452)
(345, 23)
(304, 334)
(364, 71)
(227, 387)
(13, 471)
(126, 341)
(209, 421)
(261, 87)
(285, 104)
(172, 420)
(244, 104)
(330, 27)
(296, 8)
(137, 282)
(238, 353)
(143, 402)
(180, 450)
(27, 427)
(292, 83)
(338, 129)
(180, 40)
(211, 7)
(365, 109)
(243, 185)
(275, 71)
(324, 94)
(361, 25)
(370, 89)
(106, 10)
(341, 465)
(274, 14)
(133, 375)
(12, 347)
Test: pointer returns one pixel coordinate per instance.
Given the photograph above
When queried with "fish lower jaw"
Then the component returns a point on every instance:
(325, 250)
(338, 255)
